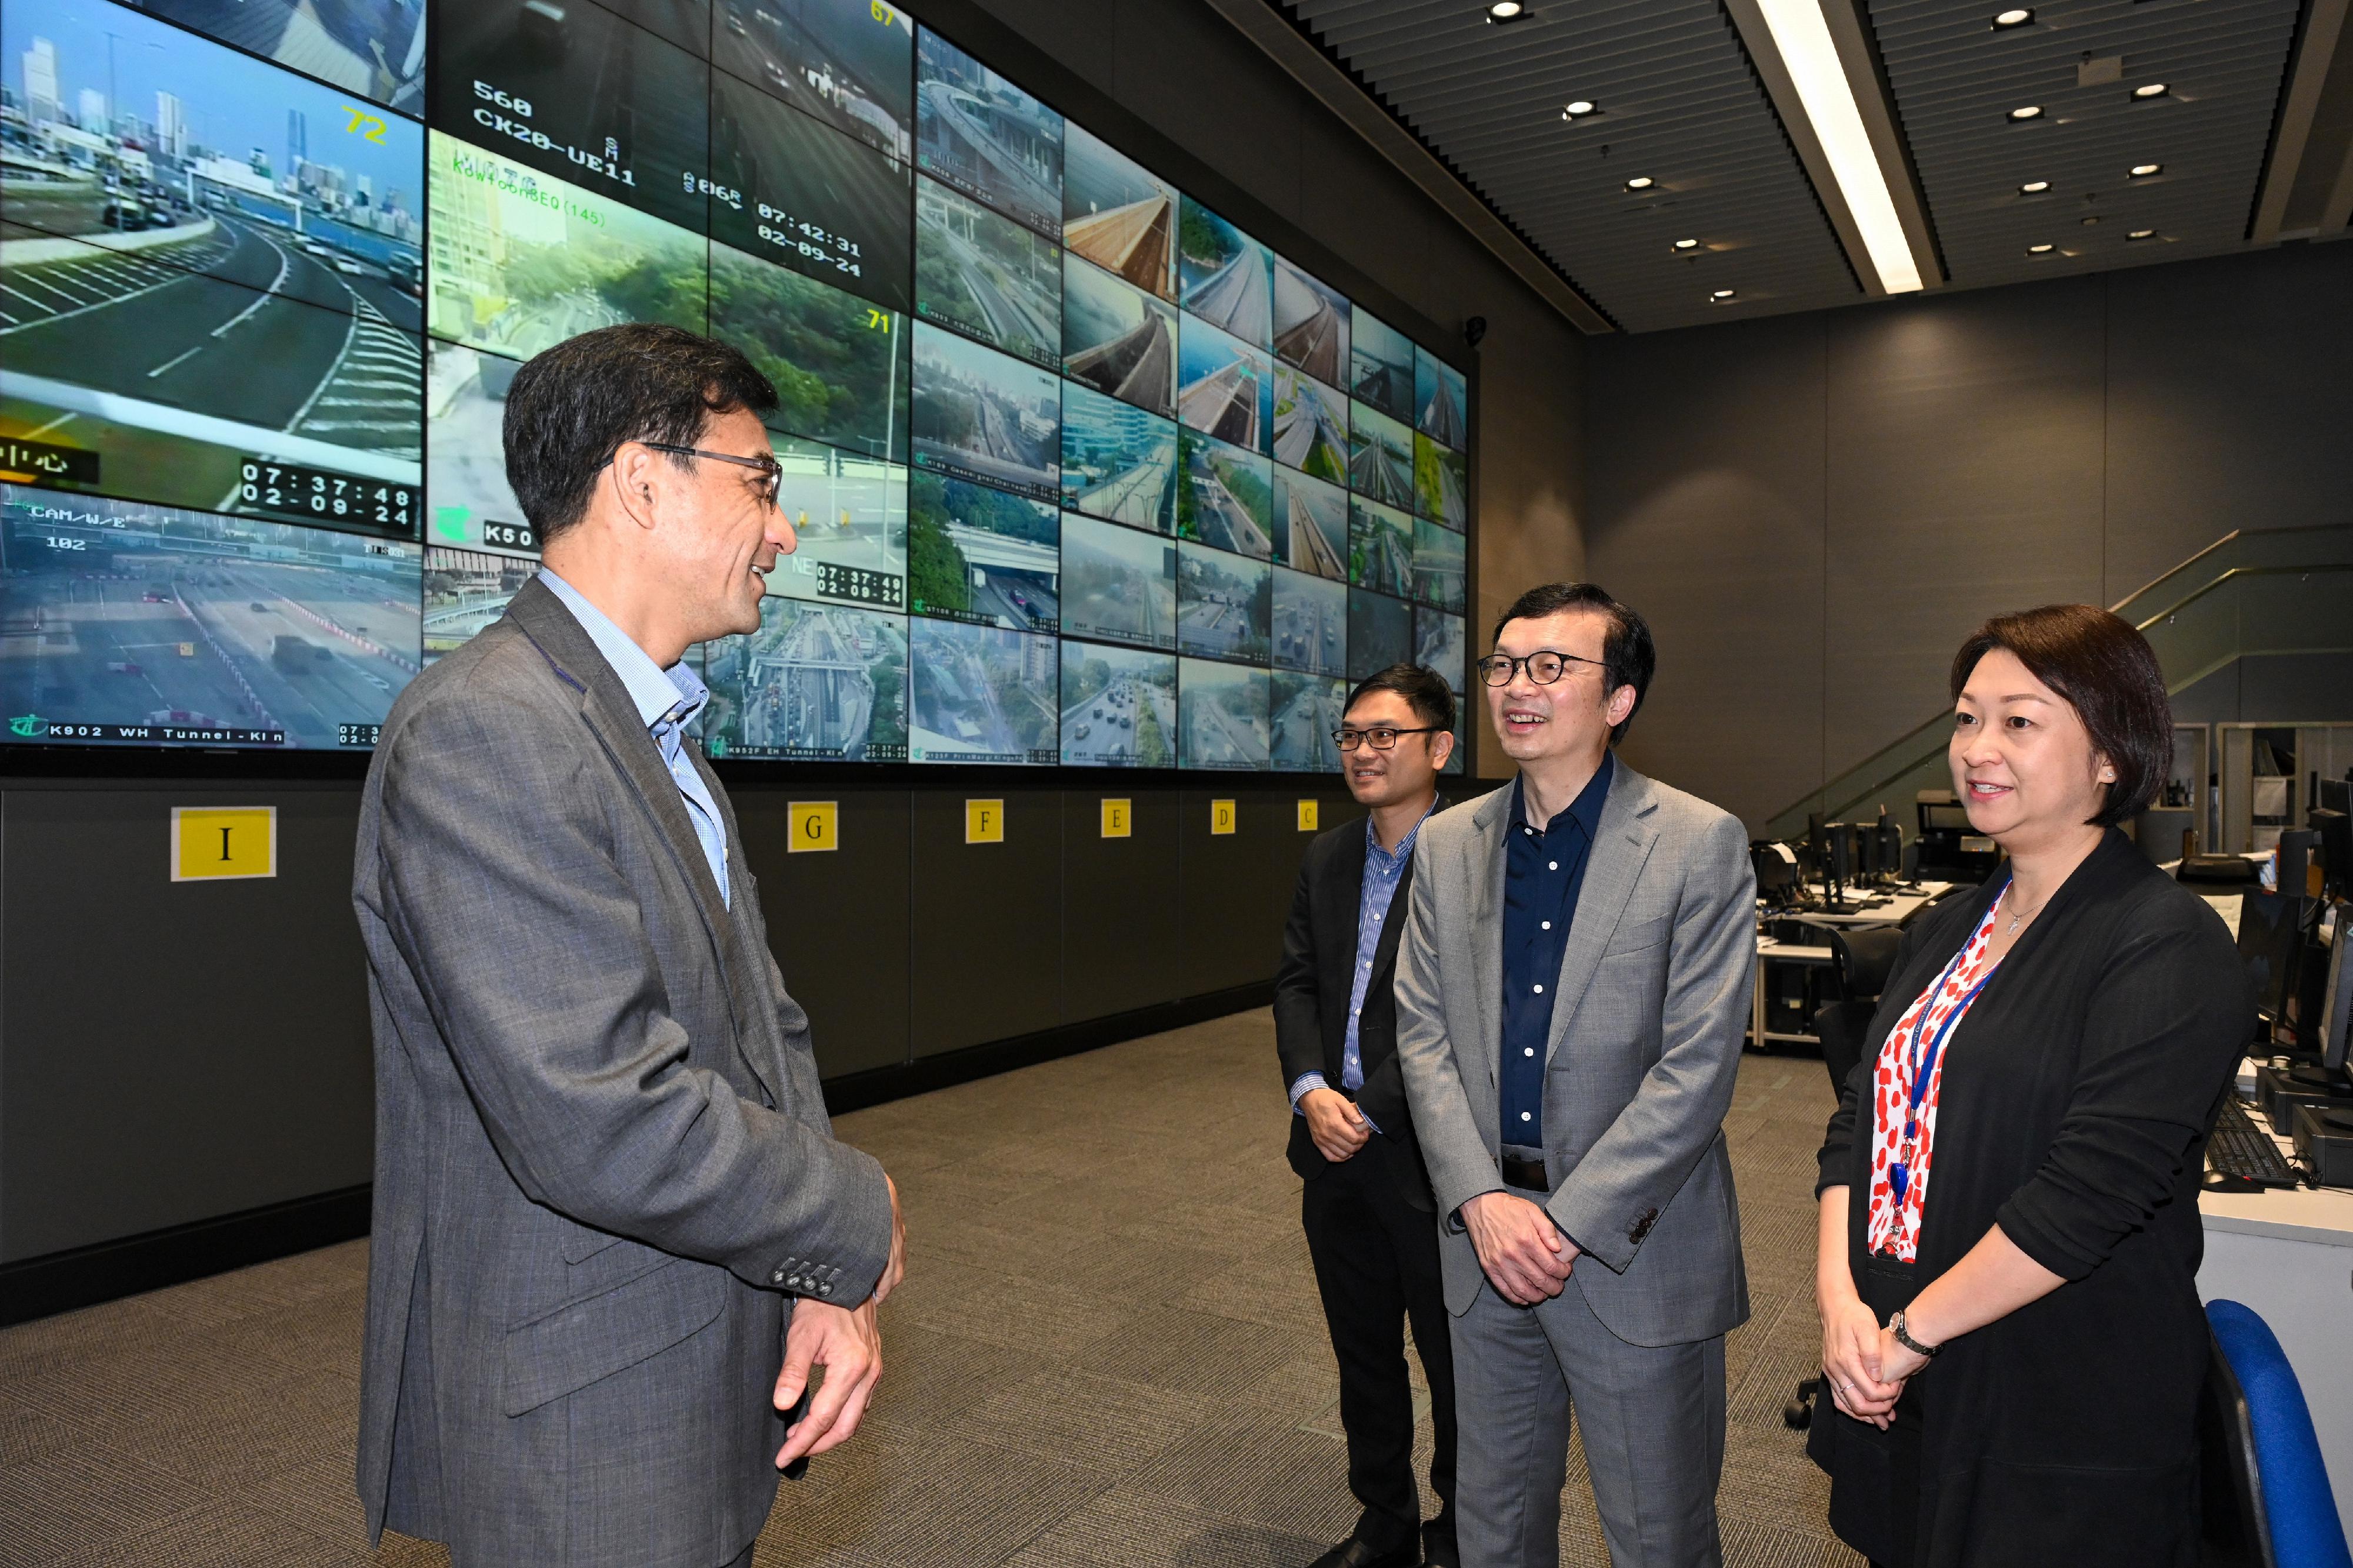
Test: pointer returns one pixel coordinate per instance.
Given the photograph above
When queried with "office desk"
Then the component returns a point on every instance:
(1771, 952)
(1899, 908)
(2288, 1254)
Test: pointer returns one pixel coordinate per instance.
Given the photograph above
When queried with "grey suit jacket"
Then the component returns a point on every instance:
(603, 1163)
(1651, 1003)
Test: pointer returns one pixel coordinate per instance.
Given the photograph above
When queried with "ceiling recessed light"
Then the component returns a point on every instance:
(2033, 187)
(1722, 294)
(2016, 17)
(2028, 112)
(2142, 234)
(2037, 251)
(1641, 182)
(1686, 245)
(2143, 171)
(1579, 110)
(1507, 10)
(2149, 90)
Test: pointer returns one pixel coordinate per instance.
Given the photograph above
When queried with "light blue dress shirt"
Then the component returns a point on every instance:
(1384, 870)
(668, 701)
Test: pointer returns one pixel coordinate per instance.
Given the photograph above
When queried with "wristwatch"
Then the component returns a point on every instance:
(1896, 1326)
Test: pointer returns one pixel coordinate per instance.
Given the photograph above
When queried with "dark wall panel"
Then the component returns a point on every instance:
(839, 920)
(1963, 478)
(1121, 933)
(171, 1051)
(986, 922)
(1702, 428)
(1235, 887)
(2227, 406)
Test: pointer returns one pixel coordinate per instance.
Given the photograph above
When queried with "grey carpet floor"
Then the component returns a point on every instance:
(1108, 1350)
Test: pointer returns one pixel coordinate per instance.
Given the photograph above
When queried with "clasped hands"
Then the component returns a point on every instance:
(1524, 1253)
(847, 1342)
(1865, 1364)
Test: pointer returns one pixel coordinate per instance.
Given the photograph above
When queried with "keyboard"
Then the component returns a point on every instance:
(2244, 1152)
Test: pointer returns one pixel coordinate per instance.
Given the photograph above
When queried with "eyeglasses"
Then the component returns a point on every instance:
(1382, 737)
(1544, 667)
(771, 472)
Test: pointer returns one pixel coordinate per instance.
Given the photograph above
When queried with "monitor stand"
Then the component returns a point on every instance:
(2312, 1075)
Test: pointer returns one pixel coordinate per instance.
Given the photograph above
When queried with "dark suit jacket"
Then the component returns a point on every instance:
(1311, 1006)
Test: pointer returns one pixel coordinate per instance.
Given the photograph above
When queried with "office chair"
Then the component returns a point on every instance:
(2266, 1500)
(1862, 959)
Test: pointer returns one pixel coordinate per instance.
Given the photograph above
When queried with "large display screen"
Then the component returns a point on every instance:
(1082, 472)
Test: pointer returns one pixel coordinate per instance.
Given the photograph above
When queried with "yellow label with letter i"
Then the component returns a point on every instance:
(817, 825)
(1221, 817)
(215, 843)
(984, 822)
(1307, 816)
(1117, 815)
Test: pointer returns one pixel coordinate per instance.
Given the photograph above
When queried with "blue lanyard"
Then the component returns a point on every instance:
(1923, 1068)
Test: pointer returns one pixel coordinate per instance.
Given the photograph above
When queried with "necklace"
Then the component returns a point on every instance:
(2016, 919)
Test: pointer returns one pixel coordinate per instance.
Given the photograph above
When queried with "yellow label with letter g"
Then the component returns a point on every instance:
(212, 843)
(817, 825)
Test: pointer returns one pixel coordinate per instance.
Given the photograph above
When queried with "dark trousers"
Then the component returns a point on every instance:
(1377, 1267)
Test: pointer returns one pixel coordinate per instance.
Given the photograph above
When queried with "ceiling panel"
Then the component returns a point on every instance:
(1679, 103)
(1955, 80)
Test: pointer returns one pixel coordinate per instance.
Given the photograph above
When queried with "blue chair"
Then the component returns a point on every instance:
(2267, 1500)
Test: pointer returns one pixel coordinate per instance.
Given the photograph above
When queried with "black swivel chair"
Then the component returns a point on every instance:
(1861, 961)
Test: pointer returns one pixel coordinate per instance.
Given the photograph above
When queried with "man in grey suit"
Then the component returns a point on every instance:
(1571, 994)
(613, 1230)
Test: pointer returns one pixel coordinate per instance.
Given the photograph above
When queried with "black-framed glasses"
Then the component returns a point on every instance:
(771, 472)
(1544, 667)
(1381, 737)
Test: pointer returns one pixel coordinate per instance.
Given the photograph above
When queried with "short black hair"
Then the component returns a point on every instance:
(2108, 674)
(1424, 691)
(571, 407)
(1628, 656)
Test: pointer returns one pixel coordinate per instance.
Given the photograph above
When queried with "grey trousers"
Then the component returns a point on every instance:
(1651, 1418)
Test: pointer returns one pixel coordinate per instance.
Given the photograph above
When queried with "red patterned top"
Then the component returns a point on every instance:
(1899, 1135)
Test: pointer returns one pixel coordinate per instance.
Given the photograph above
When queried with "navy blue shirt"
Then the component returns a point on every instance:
(1543, 872)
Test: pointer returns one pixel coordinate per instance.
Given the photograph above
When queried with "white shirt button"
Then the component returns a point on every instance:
(1366, 964)
(1547, 925)
(1552, 865)
(1527, 1116)
(1527, 1050)
(1539, 990)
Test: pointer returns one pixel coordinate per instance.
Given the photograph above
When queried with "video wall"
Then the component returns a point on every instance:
(1082, 473)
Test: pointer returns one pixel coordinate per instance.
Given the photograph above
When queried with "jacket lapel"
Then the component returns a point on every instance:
(742, 954)
(1612, 866)
(613, 718)
(1484, 849)
(1346, 888)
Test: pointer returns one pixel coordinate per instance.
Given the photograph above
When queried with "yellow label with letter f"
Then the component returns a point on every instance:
(984, 822)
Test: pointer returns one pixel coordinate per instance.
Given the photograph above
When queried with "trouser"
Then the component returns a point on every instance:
(1377, 1268)
(1652, 1419)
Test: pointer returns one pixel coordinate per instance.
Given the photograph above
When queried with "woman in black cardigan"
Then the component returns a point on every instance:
(2009, 1232)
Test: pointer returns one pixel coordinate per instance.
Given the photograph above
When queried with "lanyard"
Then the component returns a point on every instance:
(1923, 1068)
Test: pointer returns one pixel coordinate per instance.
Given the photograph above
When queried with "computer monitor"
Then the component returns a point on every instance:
(1944, 817)
(2298, 852)
(2336, 830)
(1839, 863)
(2334, 795)
(1890, 834)
(2271, 938)
(2337, 999)
(1867, 850)
(1777, 871)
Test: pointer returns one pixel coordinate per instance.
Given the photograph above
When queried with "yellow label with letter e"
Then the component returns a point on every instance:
(211, 843)
(984, 822)
(1307, 816)
(1116, 816)
(817, 825)
(1221, 817)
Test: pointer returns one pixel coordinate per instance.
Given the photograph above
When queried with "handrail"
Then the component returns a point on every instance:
(2329, 548)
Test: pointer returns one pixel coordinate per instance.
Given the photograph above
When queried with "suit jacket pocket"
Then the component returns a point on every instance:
(594, 1337)
(1636, 935)
(581, 1243)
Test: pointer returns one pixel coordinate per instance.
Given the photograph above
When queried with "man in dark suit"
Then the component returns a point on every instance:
(1367, 1206)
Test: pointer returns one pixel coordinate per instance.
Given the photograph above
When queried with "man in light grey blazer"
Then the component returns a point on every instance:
(613, 1230)
(1571, 990)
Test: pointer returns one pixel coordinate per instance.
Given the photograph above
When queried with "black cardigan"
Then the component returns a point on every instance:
(2073, 1108)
